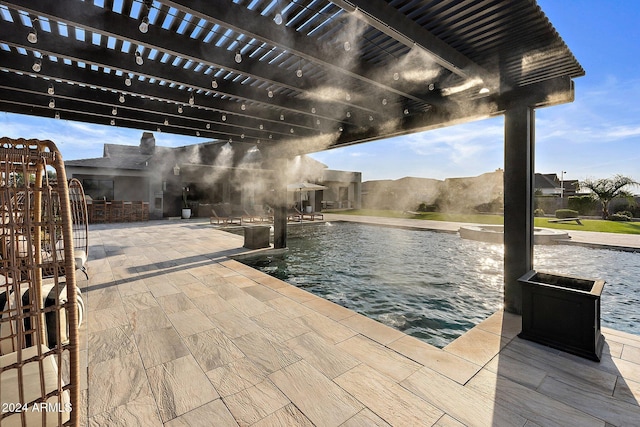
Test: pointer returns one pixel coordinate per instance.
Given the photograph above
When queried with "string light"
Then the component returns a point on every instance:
(270, 93)
(224, 118)
(37, 65)
(180, 109)
(139, 59)
(313, 110)
(121, 98)
(348, 97)
(192, 99)
(51, 90)
(208, 126)
(243, 107)
(52, 103)
(299, 70)
(396, 76)
(238, 57)
(57, 116)
(197, 133)
(348, 114)
(406, 111)
(114, 111)
(113, 122)
(144, 25)
(384, 101)
(347, 46)
(127, 81)
(278, 19)
(166, 122)
(214, 84)
(32, 37)
(282, 117)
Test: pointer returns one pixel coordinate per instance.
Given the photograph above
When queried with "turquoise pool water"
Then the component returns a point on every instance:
(436, 286)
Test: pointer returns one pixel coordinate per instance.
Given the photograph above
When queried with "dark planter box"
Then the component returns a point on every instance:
(256, 236)
(562, 312)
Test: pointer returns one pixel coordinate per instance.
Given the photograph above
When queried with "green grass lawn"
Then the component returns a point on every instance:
(587, 224)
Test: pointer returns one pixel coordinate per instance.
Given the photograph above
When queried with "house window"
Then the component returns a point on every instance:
(98, 188)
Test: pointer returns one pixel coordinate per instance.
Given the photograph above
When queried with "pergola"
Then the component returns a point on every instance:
(295, 77)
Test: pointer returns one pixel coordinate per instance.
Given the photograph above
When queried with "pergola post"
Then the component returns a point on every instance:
(280, 206)
(519, 173)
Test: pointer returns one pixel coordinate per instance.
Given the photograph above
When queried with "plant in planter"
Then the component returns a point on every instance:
(186, 210)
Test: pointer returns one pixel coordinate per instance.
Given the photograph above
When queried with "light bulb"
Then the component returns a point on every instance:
(340, 128)
(406, 111)
(384, 101)
(484, 90)
(180, 109)
(432, 86)
(348, 97)
(139, 59)
(242, 136)
(291, 130)
(144, 25)
(166, 122)
(299, 72)
(57, 115)
(214, 84)
(318, 121)
(208, 126)
(370, 118)
(51, 90)
(127, 81)
(114, 111)
(52, 103)
(261, 126)
(270, 94)
(32, 36)
(348, 114)
(313, 110)
(192, 99)
(347, 46)
(197, 133)
(238, 57)
(243, 107)
(37, 65)
(113, 122)
(278, 19)
(281, 116)
(121, 98)
(224, 118)
(396, 76)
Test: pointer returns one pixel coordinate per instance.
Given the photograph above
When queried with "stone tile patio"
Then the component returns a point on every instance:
(177, 333)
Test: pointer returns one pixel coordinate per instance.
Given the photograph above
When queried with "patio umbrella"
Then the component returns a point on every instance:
(304, 186)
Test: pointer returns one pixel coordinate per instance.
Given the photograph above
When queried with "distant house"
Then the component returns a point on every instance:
(550, 185)
(206, 174)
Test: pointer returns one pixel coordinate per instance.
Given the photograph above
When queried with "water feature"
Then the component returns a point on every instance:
(435, 286)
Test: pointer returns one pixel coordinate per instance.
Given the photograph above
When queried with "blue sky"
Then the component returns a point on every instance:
(596, 136)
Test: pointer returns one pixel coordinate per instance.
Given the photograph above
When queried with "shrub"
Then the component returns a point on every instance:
(423, 207)
(626, 213)
(538, 212)
(566, 213)
(585, 205)
(619, 217)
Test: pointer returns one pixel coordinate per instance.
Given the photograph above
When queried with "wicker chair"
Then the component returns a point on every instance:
(38, 340)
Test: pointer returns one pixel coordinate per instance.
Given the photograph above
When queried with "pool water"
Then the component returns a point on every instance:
(436, 286)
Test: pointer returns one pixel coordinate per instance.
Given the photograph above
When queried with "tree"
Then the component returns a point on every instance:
(607, 189)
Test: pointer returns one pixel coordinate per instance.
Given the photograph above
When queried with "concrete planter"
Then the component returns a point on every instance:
(186, 213)
(256, 236)
(562, 312)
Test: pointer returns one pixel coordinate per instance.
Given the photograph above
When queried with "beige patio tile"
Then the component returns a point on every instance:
(141, 412)
(212, 349)
(448, 421)
(241, 281)
(289, 307)
(175, 303)
(295, 293)
(115, 382)
(502, 323)
(330, 309)
(160, 345)
(249, 305)
(214, 413)
(365, 418)
(261, 293)
(477, 346)
(102, 298)
(131, 287)
(162, 288)
(458, 401)
(148, 319)
(271, 282)
(109, 343)
(447, 364)
(604, 407)
(211, 304)
(379, 357)
(139, 301)
(391, 402)
(179, 386)
(234, 323)
(190, 322)
(527, 402)
(322, 355)
(266, 353)
(631, 354)
(329, 329)
(195, 290)
(627, 390)
(372, 329)
(255, 403)
(99, 320)
(279, 325)
(288, 415)
(236, 376)
(331, 405)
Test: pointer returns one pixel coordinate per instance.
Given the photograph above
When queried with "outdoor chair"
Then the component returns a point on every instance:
(312, 215)
(222, 215)
(293, 214)
(39, 355)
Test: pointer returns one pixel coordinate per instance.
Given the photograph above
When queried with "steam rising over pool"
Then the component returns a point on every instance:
(436, 286)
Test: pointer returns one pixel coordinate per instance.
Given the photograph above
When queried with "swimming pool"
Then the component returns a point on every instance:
(435, 286)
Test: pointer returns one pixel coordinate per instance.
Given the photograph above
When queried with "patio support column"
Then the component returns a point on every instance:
(280, 205)
(519, 127)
